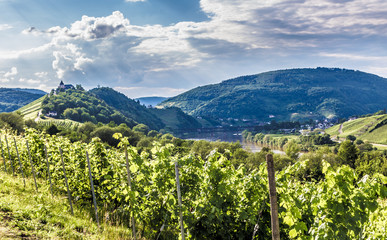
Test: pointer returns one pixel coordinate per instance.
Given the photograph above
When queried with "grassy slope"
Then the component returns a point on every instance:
(361, 128)
(26, 214)
(31, 110)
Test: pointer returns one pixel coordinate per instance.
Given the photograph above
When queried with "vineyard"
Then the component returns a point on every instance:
(64, 123)
(218, 201)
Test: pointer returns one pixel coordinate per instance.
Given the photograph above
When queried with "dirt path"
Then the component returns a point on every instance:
(341, 129)
(379, 145)
(38, 117)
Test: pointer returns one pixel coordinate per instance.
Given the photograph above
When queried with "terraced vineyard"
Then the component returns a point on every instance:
(372, 129)
(30, 111)
(65, 123)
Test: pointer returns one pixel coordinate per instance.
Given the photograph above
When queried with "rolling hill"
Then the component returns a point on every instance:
(104, 105)
(14, 98)
(128, 107)
(372, 129)
(294, 94)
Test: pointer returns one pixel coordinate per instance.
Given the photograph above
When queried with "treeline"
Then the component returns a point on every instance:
(144, 139)
(359, 155)
(355, 153)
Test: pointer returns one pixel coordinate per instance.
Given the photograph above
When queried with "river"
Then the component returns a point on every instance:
(225, 136)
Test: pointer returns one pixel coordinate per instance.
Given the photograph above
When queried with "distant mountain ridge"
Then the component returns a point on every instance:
(292, 94)
(12, 99)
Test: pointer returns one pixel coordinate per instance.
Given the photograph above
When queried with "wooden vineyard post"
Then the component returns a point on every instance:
(21, 166)
(9, 156)
(32, 166)
(2, 155)
(130, 186)
(92, 188)
(67, 184)
(179, 199)
(48, 170)
(273, 198)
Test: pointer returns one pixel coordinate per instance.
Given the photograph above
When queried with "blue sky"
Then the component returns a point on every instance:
(165, 47)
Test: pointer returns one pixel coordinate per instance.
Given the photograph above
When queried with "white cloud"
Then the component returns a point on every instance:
(354, 56)
(239, 34)
(5, 27)
(135, 0)
(13, 72)
(68, 59)
(30, 81)
(41, 74)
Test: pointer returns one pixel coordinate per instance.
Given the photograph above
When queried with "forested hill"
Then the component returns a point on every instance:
(105, 105)
(287, 95)
(14, 98)
(82, 106)
(128, 107)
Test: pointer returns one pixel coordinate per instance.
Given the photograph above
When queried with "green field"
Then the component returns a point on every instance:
(362, 128)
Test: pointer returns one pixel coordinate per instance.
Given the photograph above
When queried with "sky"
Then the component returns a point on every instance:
(165, 47)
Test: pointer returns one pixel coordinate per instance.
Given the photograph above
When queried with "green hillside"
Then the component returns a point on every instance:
(103, 105)
(82, 106)
(174, 118)
(372, 129)
(288, 95)
(128, 107)
(14, 98)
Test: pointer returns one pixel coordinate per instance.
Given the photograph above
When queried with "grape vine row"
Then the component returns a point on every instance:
(219, 201)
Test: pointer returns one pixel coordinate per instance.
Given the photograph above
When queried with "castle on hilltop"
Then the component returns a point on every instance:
(65, 86)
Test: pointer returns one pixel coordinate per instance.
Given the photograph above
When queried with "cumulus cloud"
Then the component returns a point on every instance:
(69, 58)
(135, 0)
(239, 34)
(13, 72)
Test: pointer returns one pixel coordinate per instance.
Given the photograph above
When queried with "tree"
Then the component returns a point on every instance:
(12, 120)
(348, 153)
(52, 129)
(142, 128)
(292, 149)
(79, 87)
(351, 138)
